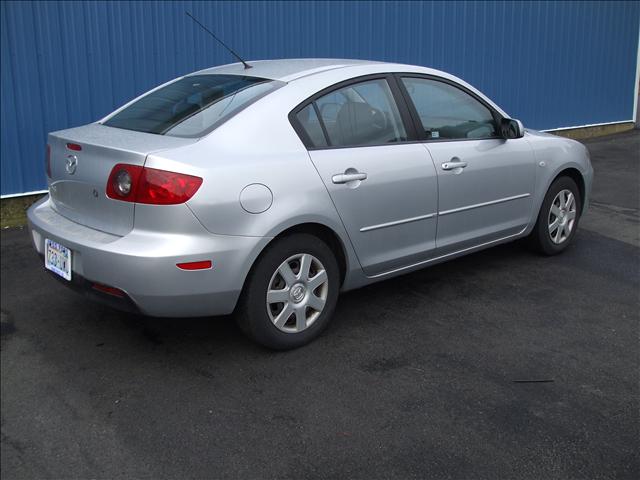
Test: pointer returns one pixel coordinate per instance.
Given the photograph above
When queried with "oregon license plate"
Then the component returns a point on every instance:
(57, 258)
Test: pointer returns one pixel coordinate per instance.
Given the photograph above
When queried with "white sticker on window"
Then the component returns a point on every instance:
(435, 134)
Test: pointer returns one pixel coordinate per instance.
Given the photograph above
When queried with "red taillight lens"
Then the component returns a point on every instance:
(159, 187)
(123, 181)
(132, 183)
(74, 146)
(47, 161)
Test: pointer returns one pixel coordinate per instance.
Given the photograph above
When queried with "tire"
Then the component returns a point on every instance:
(553, 233)
(264, 318)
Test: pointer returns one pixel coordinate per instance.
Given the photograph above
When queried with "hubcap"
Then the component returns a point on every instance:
(297, 293)
(562, 216)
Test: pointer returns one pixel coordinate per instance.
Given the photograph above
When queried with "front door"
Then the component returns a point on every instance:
(485, 182)
(486, 189)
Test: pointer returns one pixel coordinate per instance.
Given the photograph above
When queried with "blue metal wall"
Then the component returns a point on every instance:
(551, 64)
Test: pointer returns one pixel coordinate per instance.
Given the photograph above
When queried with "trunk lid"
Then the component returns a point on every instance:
(79, 178)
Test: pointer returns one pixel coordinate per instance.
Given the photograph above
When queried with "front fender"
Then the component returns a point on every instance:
(555, 155)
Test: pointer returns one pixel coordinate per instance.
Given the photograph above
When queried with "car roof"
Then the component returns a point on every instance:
(286, 69)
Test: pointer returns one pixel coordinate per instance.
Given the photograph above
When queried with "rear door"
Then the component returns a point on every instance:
(384, 189)
(485, 182)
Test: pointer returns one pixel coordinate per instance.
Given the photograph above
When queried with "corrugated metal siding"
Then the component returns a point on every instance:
(551, 64)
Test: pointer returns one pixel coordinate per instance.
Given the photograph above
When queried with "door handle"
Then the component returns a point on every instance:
(348, 177)
(453, 164)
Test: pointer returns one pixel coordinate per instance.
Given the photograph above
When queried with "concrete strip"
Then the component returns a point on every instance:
(611, 221)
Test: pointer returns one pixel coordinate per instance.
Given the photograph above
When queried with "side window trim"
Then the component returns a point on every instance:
(321, 122)
(403, 107)
(417, 124)
(396, 93)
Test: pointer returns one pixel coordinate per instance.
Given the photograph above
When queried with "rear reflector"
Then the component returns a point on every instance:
(116, 292)
(201, 265)
(74, 146)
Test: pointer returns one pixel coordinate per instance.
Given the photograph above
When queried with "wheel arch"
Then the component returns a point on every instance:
(319, 230)
(324, 233)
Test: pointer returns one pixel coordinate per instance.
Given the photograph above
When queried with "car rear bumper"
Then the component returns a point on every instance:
(87, 288)
(143, 264)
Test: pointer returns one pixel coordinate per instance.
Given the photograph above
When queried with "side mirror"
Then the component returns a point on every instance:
(511, 128)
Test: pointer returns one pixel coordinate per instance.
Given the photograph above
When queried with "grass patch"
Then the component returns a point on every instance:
(13, 211)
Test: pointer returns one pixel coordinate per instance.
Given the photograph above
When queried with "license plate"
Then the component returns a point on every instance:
(57, 258)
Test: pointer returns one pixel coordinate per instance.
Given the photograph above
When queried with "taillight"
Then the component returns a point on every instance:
(47, 161)
(131, 183)
(122, 182)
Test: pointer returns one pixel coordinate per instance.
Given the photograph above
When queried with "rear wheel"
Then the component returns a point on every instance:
(558, 218)
(291, 293)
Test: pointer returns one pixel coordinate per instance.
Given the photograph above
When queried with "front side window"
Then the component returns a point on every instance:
(447, 112)
(192, 106)
(361, 114)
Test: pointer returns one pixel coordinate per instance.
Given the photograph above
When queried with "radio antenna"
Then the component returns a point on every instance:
(246, 65)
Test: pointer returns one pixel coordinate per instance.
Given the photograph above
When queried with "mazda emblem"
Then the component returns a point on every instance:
(72, 164)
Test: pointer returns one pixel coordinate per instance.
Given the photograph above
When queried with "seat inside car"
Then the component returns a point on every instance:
(359, 123)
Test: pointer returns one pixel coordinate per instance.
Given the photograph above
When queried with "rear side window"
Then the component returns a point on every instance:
(359, 114)
(192, 106)
(311, 124)
(448, 112)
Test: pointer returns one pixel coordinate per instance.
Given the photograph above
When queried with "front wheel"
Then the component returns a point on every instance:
(558, 218)
(291, 293)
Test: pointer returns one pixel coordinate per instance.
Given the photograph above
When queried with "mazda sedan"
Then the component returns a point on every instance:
(266, 191)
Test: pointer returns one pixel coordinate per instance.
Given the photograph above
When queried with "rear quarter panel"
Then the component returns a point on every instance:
(257, 146)
(260, 148)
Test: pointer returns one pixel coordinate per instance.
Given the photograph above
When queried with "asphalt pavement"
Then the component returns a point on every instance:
(503, 364)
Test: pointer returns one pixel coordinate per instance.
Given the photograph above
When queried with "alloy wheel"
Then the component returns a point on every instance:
(562, 216)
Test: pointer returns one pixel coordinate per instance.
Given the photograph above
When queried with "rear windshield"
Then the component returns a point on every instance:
(192, 106)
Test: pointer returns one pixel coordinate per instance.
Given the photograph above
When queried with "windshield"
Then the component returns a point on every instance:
(192, 106)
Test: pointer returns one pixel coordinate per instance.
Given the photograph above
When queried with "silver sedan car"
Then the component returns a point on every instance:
(267, 191)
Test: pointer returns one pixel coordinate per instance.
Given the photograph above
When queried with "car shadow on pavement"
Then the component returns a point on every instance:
(493, 278)
(221, 331)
